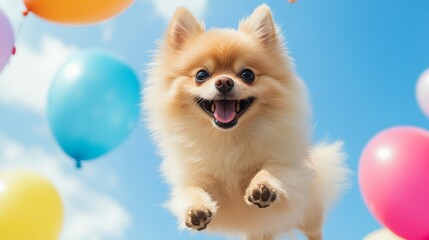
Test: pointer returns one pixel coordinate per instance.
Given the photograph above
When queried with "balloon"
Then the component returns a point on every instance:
(93, 104)
(422, 91)
(382, 234)
(6, 40)
(394, 177)
(30, 207)
(76, 11)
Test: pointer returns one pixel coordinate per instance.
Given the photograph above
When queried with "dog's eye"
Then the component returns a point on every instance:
(201, 76)
(247, 75)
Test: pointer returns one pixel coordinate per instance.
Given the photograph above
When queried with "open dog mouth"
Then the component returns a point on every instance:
(225, 112)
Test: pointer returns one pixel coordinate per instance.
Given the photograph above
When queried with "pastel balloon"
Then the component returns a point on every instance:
(30, 207)
(422, 92)
(93, 104)
(76, 11)
(394, 177)
(382, 234)
(6, 40)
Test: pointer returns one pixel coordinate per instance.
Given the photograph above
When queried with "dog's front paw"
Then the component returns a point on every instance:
(198, 219)
(261, 195)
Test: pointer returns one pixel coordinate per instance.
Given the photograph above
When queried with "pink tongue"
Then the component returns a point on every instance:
(225, 111)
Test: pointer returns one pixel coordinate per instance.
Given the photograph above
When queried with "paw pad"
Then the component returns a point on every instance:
(262, 196)
(198, 219)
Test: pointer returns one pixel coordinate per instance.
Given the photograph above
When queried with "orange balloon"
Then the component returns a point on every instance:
(76, 11)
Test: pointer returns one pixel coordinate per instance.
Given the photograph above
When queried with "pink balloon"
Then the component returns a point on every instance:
(422, 92)
(6, 40)
(394, 180)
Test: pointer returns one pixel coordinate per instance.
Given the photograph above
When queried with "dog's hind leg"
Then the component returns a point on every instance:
(312, 227)
(260, 237)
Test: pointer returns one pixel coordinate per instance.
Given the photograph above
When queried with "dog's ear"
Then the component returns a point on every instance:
(260, 24)
(182, 26)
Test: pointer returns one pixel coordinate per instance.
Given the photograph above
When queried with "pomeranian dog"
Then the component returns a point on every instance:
(232, 122)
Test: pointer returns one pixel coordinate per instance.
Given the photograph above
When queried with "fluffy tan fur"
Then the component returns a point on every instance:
(213, 170)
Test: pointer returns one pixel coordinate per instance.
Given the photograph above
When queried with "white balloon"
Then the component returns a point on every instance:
(422, 92)
(382, 234)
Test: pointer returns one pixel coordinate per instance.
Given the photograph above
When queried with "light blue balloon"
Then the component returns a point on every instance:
(93, 104)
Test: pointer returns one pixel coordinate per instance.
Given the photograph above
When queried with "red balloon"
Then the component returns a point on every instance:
(394, 180)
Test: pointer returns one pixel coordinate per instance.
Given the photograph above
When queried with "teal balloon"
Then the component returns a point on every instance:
(93, 104)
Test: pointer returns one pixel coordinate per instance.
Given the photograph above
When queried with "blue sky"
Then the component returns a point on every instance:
(360, 59)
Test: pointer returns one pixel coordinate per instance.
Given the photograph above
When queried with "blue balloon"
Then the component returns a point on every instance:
(93, 104)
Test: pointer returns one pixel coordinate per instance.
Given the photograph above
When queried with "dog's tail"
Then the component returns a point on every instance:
(329, 163)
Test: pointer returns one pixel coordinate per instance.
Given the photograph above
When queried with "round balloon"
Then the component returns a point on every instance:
(30, 207)
(93, 104)
(6, 40)
(394, 177)
(382, 234)
(76, 11)
(422, 92)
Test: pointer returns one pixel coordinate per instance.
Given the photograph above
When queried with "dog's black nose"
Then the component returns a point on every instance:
(224, 85)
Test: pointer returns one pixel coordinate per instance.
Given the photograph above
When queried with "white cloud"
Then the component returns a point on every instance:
(166, 8)
(25, 81)
(89, 214)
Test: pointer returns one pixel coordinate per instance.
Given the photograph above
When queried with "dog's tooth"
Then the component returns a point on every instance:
(237, 106)
(213, 107)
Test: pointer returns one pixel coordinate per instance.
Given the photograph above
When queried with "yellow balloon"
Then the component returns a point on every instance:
(30, 207)
(76, 11)
(382, 234)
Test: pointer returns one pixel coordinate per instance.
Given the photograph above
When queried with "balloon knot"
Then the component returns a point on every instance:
(13, 50)
(26, 12)
(78, 164)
